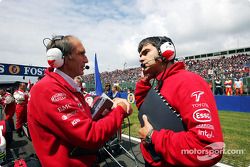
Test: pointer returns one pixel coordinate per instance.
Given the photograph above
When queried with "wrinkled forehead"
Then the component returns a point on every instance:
(76, 42)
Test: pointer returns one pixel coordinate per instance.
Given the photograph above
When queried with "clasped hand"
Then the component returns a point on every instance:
(124, 104)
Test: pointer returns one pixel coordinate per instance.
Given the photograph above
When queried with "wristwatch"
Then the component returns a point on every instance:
(148, 138)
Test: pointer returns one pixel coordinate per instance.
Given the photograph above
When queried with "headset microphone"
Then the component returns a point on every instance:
(86, 67)
(143, 65)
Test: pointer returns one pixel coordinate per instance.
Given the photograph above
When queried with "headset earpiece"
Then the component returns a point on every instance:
(167, 50)
(55, 57)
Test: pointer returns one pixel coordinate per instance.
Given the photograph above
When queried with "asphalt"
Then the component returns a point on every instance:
(115, 153)
(124, 152)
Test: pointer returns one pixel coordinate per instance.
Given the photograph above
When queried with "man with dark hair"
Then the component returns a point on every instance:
(59, 119)
(218, 86)
(190, 96)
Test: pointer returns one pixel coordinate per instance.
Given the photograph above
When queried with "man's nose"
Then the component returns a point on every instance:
(141, 59)
(86, 59)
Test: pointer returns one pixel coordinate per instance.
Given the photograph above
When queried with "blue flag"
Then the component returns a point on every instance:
(98, 82)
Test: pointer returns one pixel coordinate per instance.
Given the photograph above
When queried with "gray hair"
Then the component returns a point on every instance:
(61, 42)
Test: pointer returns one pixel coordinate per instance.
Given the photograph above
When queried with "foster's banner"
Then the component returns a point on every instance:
(21, 70)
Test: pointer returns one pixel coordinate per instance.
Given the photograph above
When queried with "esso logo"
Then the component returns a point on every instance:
(202, 115)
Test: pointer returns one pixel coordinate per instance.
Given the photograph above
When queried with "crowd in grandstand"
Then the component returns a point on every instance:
(117, 76)
(223, 67)
(210, 69)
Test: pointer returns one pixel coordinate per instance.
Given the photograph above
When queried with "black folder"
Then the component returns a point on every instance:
(160, 114)
(100, 104)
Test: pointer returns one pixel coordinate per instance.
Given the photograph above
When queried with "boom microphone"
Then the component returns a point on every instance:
(143, 65)
(86, 67)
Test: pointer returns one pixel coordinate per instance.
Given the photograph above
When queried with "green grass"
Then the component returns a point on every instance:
(236, 132)
(134, 123)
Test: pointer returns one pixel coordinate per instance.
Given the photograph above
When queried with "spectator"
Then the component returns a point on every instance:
(108, 91)
(218, 87)
(79, 82)
(223, 67)
(228, 87)
(238, 86)
(116, 91)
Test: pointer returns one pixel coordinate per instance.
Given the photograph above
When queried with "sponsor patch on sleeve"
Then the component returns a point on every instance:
(197, 95)
(58, 97)
(202, 115)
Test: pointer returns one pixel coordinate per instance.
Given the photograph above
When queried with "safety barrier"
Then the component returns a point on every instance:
(233, 103)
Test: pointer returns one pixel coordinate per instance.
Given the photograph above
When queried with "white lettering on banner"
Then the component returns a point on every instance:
(75, 121)
(1, 68)
(33, 71)
(40, 71)
(197, 95)
(64, 107)
(202, 115)
(205, 133)
(26, 70)
(205, 126)
(200, 105)
(58, 97)
(67, 116)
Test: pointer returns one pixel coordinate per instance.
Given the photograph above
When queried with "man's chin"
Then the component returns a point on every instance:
(81, 73)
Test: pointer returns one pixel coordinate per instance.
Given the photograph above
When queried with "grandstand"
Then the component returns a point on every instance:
(225, 53)
(228, 64)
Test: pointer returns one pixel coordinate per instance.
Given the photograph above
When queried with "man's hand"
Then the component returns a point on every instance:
(124, 104)
(146, 129)
(146, 77)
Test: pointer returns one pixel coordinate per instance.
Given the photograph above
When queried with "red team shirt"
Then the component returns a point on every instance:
(59, 119)
(190, 95)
